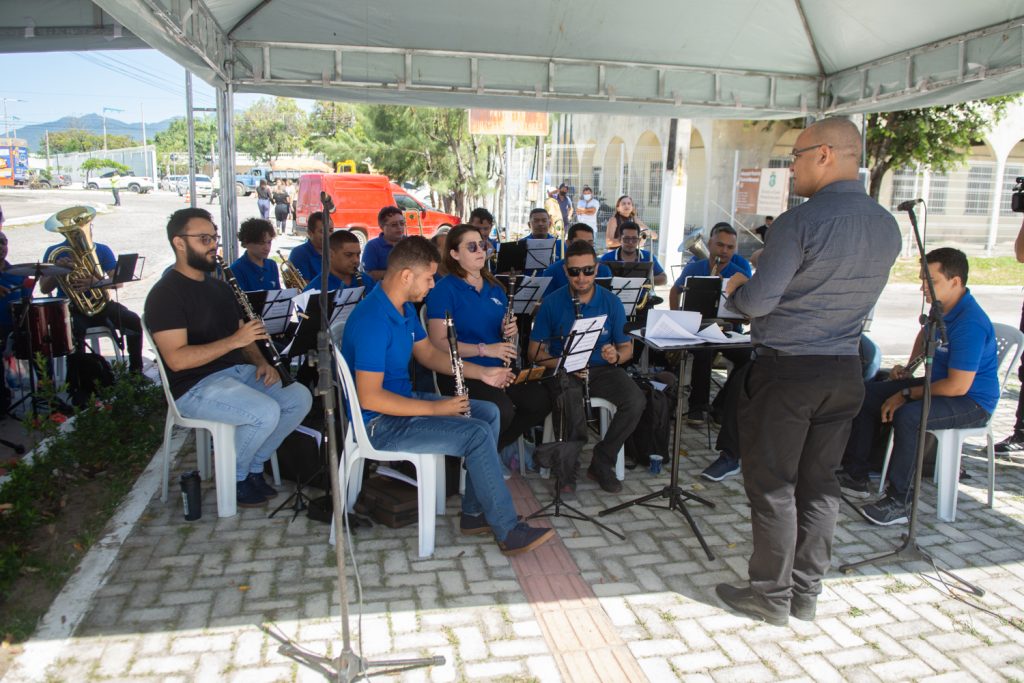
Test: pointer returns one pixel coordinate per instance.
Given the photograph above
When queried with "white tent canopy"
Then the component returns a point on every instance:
(735, 59)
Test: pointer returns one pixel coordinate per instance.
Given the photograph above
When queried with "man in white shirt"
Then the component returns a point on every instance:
(586, 208)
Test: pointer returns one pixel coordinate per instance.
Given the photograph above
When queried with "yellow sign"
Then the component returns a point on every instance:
(347, 166)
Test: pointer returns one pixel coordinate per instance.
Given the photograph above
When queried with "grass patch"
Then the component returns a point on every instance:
(995, 270)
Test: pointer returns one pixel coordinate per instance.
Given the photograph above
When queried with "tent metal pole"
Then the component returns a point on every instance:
(228, 196)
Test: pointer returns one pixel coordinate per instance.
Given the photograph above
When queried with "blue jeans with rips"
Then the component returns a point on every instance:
(473, 438)
(264, 415)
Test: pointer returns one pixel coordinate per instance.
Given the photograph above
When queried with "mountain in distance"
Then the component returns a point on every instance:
(93, 123)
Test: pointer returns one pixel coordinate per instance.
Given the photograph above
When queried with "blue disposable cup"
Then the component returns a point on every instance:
(655, 466)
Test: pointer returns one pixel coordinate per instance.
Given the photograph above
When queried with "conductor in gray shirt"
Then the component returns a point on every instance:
(824, 265)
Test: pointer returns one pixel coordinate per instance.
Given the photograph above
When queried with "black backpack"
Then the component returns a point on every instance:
(651, 434)
(87, 372)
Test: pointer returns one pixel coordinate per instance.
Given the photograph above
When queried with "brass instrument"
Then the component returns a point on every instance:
(510, 314)
(72, 223)
(697, 246)
(266, 347)
(453, 353)
(290, 275)
(716, 265)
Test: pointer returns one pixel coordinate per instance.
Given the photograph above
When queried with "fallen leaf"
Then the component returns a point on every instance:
(243, 587)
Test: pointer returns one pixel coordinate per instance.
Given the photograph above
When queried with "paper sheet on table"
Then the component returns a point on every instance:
(345, 302)
(713, 333)
(588, 331)
(277, 310)
(528, 294)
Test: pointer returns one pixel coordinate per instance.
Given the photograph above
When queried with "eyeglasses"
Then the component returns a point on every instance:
(585, 270)
(797, 152)
(473, 247)
(630, 239)
(206, 240)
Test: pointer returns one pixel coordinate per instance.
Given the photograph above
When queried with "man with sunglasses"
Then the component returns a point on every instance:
(824, 269)
(214, 368)
(554, 321)
(115, 315)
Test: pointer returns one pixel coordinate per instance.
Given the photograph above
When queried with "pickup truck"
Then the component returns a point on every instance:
(246, 183)
(128, 181)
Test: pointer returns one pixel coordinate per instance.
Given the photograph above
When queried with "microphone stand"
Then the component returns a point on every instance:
(934, 334)
(348, 665)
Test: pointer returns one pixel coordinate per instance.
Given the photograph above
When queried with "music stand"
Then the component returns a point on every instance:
(629, 290)
(344, 303)
(703, 294)
(276, 307)
(539, 253)
(529, 293)
(511, 256)
(676, 496)
(576, 352)
(309, 325)
(642, 269)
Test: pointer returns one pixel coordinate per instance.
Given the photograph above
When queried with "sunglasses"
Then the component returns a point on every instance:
(585, 270)
(473, 247)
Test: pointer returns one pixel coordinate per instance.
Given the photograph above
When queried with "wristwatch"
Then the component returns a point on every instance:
(905, 393)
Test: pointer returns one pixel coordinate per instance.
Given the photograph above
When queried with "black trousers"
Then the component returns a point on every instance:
(700, 373)
(1018, 426)
(795, 413)
(522, 406)
(118, 317)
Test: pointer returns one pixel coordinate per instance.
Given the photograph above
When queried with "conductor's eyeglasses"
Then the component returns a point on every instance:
(473, 247)
(585, 270)
(797, 152)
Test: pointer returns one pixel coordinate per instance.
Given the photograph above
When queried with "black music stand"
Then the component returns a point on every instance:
(675, 494)
(511, 256)
(628, 290)
(309, 324)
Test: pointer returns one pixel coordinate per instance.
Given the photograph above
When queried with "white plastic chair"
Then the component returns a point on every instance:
(93, 335)
(605, 414)
(223, 445)
(429, 466)
(1009, 343)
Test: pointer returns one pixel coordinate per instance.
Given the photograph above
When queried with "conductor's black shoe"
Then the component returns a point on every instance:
(260, 485)
(471, 525)
(605, 478)
(803, 607)
(1011, 445)
(524, 538)
(854, 488)
(885, 512)
(747, 603)
(696, 418)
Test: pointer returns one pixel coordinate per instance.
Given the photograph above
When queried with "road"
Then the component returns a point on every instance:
(139, 226)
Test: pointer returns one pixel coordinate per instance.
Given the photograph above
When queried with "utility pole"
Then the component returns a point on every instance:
(7, 123)
(105, 110)
(145, 154)
(47, 148)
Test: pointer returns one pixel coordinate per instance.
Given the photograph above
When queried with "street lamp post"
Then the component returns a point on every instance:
(105, 110)
(7, 123)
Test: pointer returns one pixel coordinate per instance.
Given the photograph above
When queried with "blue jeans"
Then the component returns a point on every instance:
(264, 206)
(264, 415)
(473, 438)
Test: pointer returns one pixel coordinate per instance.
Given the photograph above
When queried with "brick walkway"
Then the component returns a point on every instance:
(205, 601)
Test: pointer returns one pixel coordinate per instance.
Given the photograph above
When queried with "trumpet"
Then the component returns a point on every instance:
(290, 275)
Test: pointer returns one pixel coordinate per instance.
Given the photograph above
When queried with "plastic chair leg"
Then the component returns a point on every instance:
(168, 431)
(224, 462)
(947, 469)
(885, 465)
(426, 491)
(275, 468)
(991, 466)
(354, 480)
(203, 453)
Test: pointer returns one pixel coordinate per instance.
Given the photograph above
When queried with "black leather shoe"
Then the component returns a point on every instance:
(605, 477)
(803, 607)
(744, 601)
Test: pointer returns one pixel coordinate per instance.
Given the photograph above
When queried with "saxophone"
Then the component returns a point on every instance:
(265, 346)
(72, 224)
(510, 314)
(290, 275)
(453, 353)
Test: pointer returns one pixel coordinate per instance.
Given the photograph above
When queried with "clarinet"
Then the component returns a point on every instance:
(265, 346)
(453, 354)
(586, 373)
(510, 314)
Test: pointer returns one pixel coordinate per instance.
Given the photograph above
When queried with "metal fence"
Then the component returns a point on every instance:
(140, 160)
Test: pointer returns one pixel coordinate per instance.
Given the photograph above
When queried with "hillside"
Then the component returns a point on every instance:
(92, 123)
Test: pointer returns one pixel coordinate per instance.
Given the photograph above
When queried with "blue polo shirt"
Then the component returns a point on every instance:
(645, 257)
(558, 253)
(375, 255)
(478, 316)
(556, 316)
(972, 348)
(106, 258)
(379, 338)
(307, 259)
(334, 283)
(702, 268)
(252, 277)
(18, 292)
(556, 271)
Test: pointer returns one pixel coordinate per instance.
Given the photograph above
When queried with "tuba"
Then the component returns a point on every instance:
(290, 275)
(697, 246)
(72, 224)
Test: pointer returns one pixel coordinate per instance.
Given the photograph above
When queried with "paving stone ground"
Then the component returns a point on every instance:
(212, 600)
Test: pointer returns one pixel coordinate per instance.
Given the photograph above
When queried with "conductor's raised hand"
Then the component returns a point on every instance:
(456, 405)
(250, 333)
(497, 377)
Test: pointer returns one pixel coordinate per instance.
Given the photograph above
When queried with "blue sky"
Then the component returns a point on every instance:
(56, 84)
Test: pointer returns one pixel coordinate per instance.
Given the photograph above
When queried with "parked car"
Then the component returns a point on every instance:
(204, 186)
(129, 181)
(39, 181)
(359, 196)
(170, 182)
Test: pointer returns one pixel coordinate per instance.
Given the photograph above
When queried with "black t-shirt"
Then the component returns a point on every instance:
(207, 310)
(262, 192)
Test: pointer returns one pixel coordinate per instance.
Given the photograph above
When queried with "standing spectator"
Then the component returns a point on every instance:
(565, 214)
(282, 206)
(114, 181)
(215, 191)
(586, 209)
(625, 211)
(1014, 443)
(263, 199)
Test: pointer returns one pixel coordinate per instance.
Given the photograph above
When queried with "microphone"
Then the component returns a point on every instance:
(909, 204)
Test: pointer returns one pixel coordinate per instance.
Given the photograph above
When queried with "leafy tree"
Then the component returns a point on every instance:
(175, 137)
(270, 128)
(327, 120)
(80, 140)
(96, 164)
(939, 138)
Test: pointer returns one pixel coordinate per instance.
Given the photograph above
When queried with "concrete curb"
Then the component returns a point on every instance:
(100, 207)
(57, 626)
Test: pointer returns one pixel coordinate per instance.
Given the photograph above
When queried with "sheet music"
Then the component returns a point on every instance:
(528, 293)
(345, 302)
(628, 289)
(588, 332)
(277, 309)
(539, 253)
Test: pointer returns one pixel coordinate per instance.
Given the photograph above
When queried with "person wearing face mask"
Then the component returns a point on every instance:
(586, 208)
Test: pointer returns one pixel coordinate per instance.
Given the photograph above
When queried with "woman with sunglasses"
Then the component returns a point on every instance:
(477, 304)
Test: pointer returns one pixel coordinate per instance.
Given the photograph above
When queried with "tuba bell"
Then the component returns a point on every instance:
(73, 224)
(697, 246)
(290, 275)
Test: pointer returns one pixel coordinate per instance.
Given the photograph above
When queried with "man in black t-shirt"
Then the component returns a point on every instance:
(215, 370)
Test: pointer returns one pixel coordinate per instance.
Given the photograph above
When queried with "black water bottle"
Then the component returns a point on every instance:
(191, 496)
